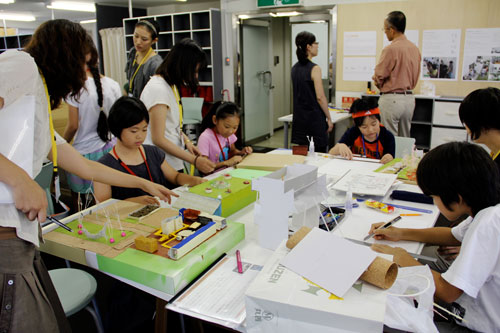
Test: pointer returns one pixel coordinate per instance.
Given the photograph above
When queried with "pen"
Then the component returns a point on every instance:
(59, 223)
(385, 226)
(238, 262)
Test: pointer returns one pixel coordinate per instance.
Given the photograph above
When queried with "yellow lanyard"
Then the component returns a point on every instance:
(495, 156)
(53, 141)
(135, 73)
(178, 99)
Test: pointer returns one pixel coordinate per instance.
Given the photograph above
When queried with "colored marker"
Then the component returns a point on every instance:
(238, 262)
(410, 214)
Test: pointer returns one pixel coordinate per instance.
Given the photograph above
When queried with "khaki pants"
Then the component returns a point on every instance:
(396, 112)
(28, 300)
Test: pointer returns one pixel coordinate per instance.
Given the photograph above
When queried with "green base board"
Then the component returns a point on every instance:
(167, 275)
(241, 194)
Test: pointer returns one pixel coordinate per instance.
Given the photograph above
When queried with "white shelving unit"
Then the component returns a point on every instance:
(202, 26)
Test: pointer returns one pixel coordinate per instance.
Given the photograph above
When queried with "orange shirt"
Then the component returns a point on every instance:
(399, 66)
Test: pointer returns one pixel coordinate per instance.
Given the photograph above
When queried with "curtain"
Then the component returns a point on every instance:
(114, 54)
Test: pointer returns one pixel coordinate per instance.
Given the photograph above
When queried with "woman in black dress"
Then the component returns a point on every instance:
(310, 107)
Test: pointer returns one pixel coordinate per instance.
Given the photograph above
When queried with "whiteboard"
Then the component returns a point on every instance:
(320, 30)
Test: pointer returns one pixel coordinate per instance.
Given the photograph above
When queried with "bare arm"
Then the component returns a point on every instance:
(320, 94)
(70, 160)
(179, 178)
(72, 125)
(103, 192)
(29, 197)
(437, 236)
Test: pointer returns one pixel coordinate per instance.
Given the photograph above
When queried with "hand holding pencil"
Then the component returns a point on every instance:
(391, 233)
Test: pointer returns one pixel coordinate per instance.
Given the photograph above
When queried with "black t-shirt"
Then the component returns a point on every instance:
(154, 156)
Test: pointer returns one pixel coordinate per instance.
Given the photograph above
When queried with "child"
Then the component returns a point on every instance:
(480, 113)
(218, 138)
(368, 137)
(128, 121)
(462, 179)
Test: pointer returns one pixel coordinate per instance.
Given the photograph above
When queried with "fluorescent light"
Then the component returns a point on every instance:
(88, 21)
(318, 21)
(243, 17)
(7, 1)
(284, 14)
(17, 17)
(76, 6)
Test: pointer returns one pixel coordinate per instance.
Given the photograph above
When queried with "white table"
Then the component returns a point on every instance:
(355, 226)
(335, 115)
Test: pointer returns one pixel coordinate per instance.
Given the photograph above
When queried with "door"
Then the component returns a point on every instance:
(256, 80)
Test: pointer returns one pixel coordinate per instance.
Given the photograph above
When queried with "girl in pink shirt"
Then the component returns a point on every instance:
(218, 138)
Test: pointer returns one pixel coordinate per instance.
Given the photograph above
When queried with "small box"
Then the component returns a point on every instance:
(299, 150)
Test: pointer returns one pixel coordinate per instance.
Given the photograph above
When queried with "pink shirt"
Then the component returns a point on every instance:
(207, 144)
(399, 66)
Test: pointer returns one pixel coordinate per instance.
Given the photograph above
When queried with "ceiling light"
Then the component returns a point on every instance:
(243, 17)
(318, 21)
(284, 14)
(17, 17)
(88, 21)
(76, 6)
(7, 1)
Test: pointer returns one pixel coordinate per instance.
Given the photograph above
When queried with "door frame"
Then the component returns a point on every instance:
(259, 23)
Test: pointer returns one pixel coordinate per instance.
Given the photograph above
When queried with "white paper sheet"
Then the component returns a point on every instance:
(329, 261)
(360, 43)
(440, 54)
(209, 295)
(411, 35)
(481, 55)
(358, 68)
(366, 183)
(17, 128)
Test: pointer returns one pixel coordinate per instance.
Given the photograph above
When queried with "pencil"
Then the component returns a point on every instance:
(385, 226)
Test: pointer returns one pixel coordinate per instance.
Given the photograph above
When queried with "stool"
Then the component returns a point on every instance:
(76, 289)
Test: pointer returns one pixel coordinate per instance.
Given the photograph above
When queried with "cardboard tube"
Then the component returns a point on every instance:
(381, 273)
(297, 237)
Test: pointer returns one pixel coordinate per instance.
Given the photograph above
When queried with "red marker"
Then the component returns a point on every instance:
(238, 261)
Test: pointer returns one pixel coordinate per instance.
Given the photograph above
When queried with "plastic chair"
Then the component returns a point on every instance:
(44, 179)
(404, 146)
(191, 110)
(76, 290)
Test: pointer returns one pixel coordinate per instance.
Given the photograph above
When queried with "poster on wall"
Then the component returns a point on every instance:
(411, 35)
(440, 52)
(358, 43)
(481, 55)
(358, 68)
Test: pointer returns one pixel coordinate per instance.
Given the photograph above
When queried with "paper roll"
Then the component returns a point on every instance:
(297, 237)
(381, 273)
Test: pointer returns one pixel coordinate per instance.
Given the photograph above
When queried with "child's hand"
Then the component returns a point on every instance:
(344, 151)
(400, 256)
(199, 180)
(386, 158)
(204, 165)
(391, 233)
(145, 200)
(449, 252)
(234, 160)
(247, 150)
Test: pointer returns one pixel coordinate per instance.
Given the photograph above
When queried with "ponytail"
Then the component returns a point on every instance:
(102, 122)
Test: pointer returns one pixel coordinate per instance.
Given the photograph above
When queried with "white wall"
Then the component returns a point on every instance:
(183, 7)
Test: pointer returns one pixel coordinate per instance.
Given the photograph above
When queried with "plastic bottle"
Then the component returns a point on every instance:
(311, 153)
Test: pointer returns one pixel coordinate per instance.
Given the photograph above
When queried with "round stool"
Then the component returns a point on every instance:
(76, 289)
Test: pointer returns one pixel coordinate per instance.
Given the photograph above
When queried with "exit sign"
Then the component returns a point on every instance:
(277, 3)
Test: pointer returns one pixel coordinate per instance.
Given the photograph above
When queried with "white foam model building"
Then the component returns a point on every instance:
(294, 189)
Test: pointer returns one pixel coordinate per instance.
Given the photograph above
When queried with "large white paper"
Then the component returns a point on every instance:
(209, 295)
(329, 261)
(360, 43)
(358, 68)
(411, 35)
(17, 128)
(366, 182)
(440, 53)
(481, 55)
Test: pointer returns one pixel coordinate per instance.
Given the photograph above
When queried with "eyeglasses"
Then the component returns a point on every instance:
(317, 43)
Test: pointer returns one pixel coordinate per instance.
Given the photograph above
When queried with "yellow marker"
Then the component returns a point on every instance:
(410, 214)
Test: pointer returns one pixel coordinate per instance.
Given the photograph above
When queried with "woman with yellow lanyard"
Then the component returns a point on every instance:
(480, 113)
(162, 99)
(142, 60)
(50, 68)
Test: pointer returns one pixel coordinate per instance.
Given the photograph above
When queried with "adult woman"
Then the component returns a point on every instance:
(51, 68)
(162, 99)
(87, 118)
(142, 60)
(310, 107)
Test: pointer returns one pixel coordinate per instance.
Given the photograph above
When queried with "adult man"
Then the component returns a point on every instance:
(396, 75)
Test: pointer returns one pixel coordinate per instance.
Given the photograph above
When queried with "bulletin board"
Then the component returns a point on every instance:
(421, 15)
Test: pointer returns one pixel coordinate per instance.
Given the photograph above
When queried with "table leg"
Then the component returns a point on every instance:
(285, 126)
(161, 316)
